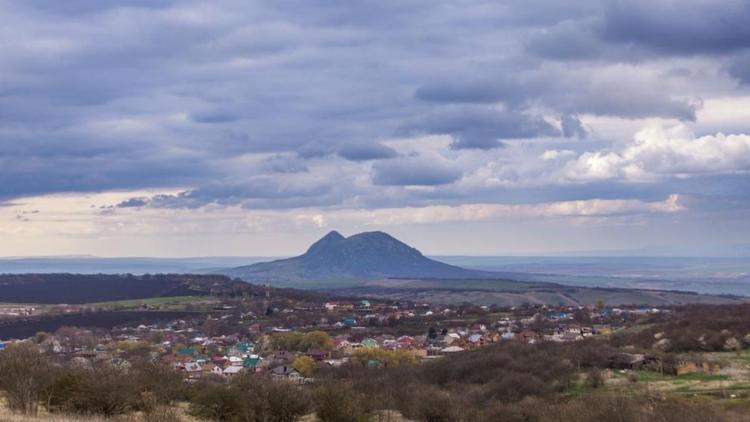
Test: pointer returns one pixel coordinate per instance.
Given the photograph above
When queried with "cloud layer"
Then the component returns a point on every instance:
(449, 106)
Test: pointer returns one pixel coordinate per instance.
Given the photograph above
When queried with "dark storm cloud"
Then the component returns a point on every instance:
(630, 30)
(740, 67)
(467, 90)
(568, 40)
(258, 192)
(76, 7)
(481, 127)
(133, 203)
(679, 27)
(414, 171)
(599, 92)
(284, 164)
(87, 163)
(366, 151)
(100, 95)
(214, 117)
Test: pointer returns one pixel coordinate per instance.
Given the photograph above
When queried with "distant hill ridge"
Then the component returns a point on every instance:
(91, 288)
(366, 255)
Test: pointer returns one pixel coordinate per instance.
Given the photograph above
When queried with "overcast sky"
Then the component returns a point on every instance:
(235, 127)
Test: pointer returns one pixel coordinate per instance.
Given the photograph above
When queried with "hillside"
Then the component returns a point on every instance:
(369, 255)
(503, 292)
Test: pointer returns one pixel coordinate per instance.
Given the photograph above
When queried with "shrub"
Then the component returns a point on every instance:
(221, 403)
(429, 404)
(24, 376)
(341, 403)
(103, 391)
(249, 399)
(594, 378)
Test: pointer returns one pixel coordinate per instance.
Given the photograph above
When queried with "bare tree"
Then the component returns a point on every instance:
(25, 375)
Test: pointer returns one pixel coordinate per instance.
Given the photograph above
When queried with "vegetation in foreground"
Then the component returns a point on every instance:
(503, 382)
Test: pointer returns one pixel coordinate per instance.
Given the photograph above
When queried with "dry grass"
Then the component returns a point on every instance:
(6, 416)
(177, 415)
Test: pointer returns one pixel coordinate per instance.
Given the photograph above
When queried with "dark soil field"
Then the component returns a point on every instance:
(24, 328)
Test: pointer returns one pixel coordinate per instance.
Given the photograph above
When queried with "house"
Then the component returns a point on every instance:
(635, 361)
(476, 339)
(286, 372)
(283, 355)
(251, 361)
(193, 369)
(452, 349)
(405, 341)
(369, 342)
(335, 363)
(390, 344)
(186, 351)
(344, 346)
(318, 354)
(508, 335)
(230, 371)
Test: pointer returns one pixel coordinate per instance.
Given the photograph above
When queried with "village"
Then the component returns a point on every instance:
(294, 339)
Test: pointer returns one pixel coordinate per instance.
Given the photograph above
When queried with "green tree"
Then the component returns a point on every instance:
(316, 340)
(305, 365)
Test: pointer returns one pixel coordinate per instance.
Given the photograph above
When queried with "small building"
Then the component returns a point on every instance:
(231, 371)
(369, 342)
(318, 354)
(286, 372)
(251, 361)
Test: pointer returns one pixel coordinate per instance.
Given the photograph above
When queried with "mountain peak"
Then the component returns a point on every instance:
(365, 255)
(333, 234)
(374, 235)
(333, 237)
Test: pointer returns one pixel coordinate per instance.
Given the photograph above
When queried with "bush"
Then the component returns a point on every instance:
(103, 391)
(221, 403)
(594, 378)
(341, 403)
(272, 401)
(616, 408)
(249, 399)
(24, 376)
(431, 405)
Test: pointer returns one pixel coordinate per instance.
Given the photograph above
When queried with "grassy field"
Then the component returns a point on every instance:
(174, 303)
(731, 382)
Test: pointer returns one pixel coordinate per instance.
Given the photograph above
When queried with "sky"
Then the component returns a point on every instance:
(463, 127)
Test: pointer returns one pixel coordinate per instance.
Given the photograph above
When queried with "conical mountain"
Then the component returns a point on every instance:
(368, 255)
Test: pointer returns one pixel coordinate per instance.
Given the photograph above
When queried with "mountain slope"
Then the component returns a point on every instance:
(362, 256)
